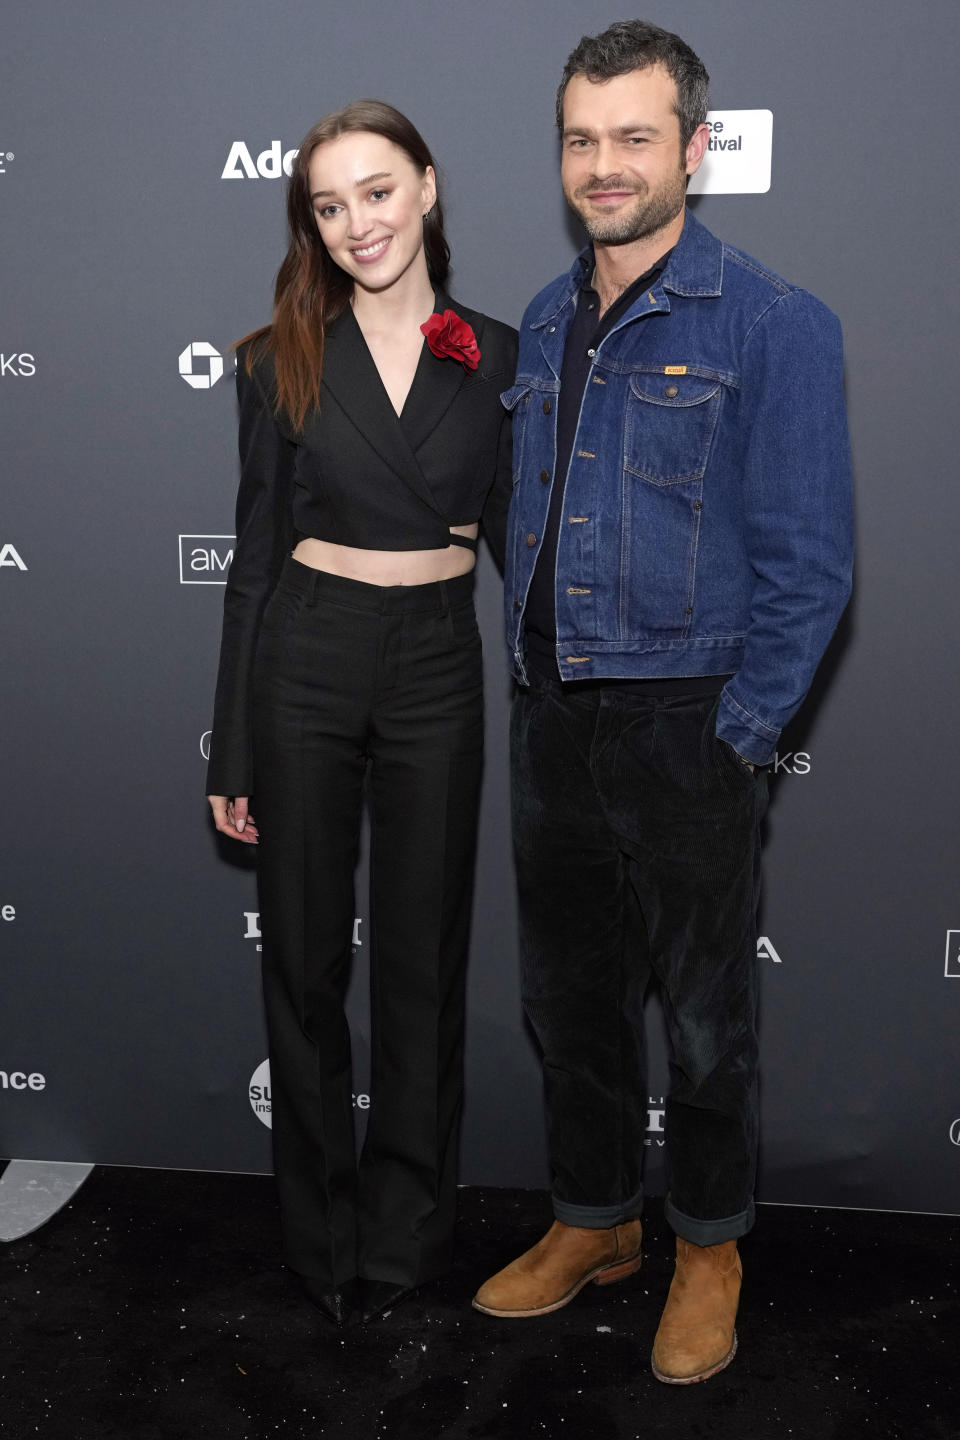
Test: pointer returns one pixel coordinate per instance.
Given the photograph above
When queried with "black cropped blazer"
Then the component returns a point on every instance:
(448, 462)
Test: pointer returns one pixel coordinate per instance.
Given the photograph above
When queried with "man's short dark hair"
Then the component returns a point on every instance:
(636, 45)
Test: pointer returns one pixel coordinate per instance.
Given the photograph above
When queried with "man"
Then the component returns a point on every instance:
(679, 555)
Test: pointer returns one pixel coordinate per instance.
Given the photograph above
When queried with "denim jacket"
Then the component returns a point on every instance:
(707, 519)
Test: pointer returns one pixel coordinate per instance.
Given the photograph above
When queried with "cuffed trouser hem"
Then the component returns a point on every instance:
(598, 1217)
(708, 1232)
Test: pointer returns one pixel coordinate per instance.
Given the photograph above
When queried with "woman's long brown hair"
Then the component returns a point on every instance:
(311, 290)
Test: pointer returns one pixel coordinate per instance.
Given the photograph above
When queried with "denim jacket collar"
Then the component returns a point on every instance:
(694, 269)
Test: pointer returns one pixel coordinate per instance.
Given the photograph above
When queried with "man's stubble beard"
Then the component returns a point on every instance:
(652, 212)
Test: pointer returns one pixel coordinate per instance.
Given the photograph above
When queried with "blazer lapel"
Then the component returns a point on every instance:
(435, 385)
(352, 380)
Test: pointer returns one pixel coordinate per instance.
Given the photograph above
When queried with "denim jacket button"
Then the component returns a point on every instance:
(531, 539)
(671, 392)
(545, 476)
(517, 605)
(547, 407)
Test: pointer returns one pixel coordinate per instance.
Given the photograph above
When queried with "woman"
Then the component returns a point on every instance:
(370, 452)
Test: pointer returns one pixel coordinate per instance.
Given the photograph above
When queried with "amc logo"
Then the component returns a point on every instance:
(205, 559)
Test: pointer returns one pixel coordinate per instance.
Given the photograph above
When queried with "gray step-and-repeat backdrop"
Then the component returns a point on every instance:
(142, 155)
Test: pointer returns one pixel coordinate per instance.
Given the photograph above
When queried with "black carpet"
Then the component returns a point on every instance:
(154, 1307)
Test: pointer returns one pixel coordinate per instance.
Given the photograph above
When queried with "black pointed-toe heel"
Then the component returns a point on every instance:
(379, 1296)
(335, 1305)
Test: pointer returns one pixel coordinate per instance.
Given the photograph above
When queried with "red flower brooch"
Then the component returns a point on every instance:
(449, 337)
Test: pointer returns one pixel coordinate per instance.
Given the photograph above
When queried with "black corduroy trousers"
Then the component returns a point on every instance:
(364, 690)
(637, 843)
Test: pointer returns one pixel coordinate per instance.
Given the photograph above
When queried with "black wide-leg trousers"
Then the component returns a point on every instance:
(637, 839)
(367, 691)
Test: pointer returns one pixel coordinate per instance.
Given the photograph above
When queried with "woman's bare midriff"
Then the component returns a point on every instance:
(389, 567)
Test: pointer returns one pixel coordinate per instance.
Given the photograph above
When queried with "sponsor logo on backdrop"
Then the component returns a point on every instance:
(205, 559)
(738, 159)
(6, 158)
(10, 558)
(17, 365)
(205, 744)
(251, 931)
(259, 1093)
(795, 762)
(262, 1105)
(269, 164)
(7, 912)
(955, 1132)
(766, 950)
(951, 964)
(739, 154)
(22, 1080)
(656, 1114)
(201, 365)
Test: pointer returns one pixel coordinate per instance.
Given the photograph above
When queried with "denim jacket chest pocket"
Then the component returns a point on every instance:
(670, 423)
(671, 420)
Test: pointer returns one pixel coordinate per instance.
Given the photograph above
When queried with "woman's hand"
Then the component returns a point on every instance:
(231, 817)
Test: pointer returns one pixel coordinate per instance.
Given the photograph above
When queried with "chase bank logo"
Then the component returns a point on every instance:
(201, 365)
(205, 559)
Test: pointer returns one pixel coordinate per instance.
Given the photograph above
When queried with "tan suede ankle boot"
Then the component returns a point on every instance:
(696, 1337)
(558, 1266)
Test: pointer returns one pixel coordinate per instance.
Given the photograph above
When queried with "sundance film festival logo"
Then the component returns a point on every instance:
(8, 912)
(252, 927)
(201, 365)
(261, 1102)
(205, 559)
(766, 950)
(22, 1080)
(951, 964)
(270, 164)
(739, 154)
(6, 158)
(955, 1132)
(10, 558)
(205, 739)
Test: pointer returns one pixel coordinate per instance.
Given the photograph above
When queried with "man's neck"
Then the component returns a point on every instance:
(617, 266)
